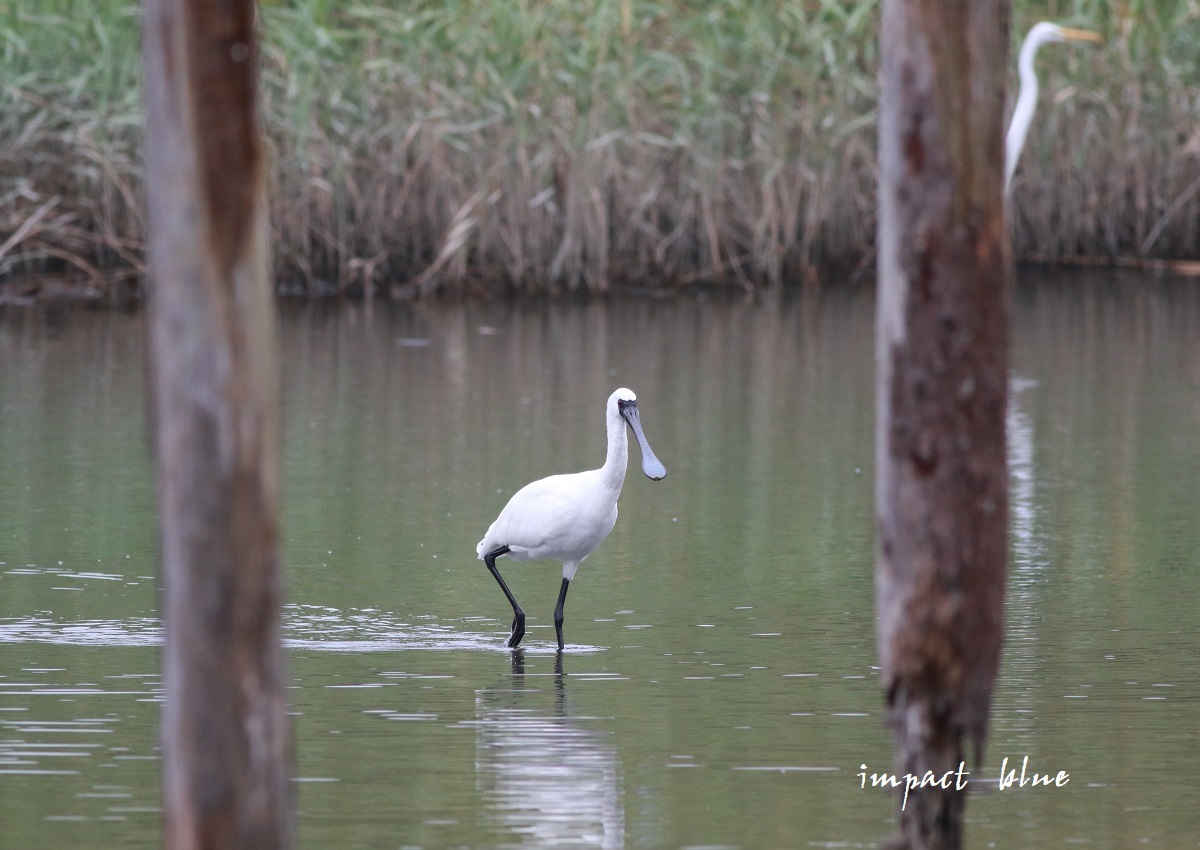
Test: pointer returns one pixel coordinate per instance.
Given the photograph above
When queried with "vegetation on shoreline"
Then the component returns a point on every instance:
(553, 146)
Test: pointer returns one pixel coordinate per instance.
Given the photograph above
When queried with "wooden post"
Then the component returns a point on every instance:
(214, 385)
(942, 349)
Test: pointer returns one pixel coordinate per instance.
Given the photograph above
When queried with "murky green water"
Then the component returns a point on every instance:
(718, 688)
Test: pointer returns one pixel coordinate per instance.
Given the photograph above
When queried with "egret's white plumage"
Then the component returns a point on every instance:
(565, 517)
(1018, 128)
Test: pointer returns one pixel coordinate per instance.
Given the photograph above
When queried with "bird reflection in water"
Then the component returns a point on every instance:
(549, 779)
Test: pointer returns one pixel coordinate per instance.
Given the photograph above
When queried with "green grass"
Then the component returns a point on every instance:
(547, 145)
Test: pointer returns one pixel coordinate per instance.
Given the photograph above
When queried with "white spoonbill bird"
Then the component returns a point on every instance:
(565, 517)
(1018, 128)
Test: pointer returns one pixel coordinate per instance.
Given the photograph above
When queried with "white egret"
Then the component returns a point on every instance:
(1043, 33)
(565, 517)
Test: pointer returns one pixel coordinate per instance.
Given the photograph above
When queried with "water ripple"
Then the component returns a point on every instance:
(312, 627)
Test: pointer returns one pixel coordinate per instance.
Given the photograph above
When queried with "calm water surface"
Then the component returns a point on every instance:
(718, 689)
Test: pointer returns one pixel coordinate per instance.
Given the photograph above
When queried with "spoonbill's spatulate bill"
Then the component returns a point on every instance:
(565, 517)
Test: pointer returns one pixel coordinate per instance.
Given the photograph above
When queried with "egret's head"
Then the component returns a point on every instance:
(1046, 33)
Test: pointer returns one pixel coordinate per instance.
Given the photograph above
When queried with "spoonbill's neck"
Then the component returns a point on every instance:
(617, 459)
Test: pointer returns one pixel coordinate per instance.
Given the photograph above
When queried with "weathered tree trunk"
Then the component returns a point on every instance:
(226, 744)
(942, 350)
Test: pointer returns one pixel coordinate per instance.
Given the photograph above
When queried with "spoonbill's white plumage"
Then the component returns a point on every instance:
(565, 517)
(1018, 128)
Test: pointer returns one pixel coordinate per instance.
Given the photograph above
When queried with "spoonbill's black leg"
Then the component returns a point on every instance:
(558, 611)
(518, 624)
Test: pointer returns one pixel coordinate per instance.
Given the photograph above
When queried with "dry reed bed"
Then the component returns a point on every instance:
(481, 147)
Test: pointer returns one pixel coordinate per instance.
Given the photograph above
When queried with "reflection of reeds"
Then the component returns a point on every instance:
(526, 147)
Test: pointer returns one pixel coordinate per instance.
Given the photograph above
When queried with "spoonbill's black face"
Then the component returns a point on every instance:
(651, 465)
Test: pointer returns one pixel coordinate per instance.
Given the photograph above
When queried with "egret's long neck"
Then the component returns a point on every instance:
(617, 458)
(1023, 113)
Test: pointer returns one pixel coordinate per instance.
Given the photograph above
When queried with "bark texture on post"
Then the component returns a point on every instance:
(226, 741)
(942, 349)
